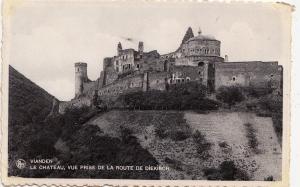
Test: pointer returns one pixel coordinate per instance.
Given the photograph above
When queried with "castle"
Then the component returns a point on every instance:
(197, 59)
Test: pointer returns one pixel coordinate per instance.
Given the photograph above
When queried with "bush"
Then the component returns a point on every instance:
(251, 136)
(202, 145)
(269, 178)
(174, 163)
(230, 95)
(174, 126)
(258, 91)
(226, 171)
(223, 144)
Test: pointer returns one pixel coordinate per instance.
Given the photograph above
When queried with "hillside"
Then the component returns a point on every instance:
(198, 146)
(29, 105)
(27, 101)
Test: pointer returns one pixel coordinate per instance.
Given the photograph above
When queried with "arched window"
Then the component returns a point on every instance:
(200, 63)
(233, 78)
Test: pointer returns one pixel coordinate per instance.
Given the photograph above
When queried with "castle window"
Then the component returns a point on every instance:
(200, 63)
(271, 75)
(117, 62)
(233, 78)
(157, 81)
(138, 66)
(188, 79)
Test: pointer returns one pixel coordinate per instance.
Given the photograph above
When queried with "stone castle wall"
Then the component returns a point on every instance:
(77, 103)
(256, 73)
(157, 80)
(125, 85)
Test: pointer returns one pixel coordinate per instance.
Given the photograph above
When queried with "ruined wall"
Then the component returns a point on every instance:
(187, 73)
(110, 75)
(255, 73)
(89, 88)
(157, 80)
(125, 85)
(148, 62)
(78, 102)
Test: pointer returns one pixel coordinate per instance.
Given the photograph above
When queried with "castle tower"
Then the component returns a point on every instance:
(119, 49)
(141, 47)
(80, 77)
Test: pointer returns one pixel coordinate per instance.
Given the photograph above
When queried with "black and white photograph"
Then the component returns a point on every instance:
(141, 90)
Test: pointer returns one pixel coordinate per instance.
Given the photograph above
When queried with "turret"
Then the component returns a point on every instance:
(226, 58)
(141, 47)
(119, 49)
(80, 77)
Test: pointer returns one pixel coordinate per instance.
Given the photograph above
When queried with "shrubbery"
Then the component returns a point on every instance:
(226, 171)
(178, 97)
(251, 136)
(173, 126)
(272, 105)
(202, 145)
(230, 95)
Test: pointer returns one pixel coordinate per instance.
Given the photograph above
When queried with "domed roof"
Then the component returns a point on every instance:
(201, 37)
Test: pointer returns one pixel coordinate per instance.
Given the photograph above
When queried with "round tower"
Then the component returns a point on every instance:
(80, 77)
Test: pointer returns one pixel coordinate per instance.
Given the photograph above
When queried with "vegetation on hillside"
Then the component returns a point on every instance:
(265, 102)
(189, 96)
(226, 171)
(203, 146)
(230, 95)
(33, 134)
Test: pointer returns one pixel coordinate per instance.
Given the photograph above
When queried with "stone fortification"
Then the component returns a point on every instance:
(198, 58)
(252, 73)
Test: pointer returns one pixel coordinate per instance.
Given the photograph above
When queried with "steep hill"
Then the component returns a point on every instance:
(27, 101)
(29, 105)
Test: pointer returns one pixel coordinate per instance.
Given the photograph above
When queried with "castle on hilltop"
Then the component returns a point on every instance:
(197, 59)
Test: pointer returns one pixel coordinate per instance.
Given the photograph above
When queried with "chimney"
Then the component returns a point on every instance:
(226, 58)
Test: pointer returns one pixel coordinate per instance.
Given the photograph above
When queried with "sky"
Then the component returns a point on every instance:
(46, 38)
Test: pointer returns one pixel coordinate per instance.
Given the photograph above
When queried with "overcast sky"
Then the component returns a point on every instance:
(48, 38)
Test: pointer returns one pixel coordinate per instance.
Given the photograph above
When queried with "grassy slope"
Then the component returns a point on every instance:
(28, 104)
(27, 101)
(179, 154)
